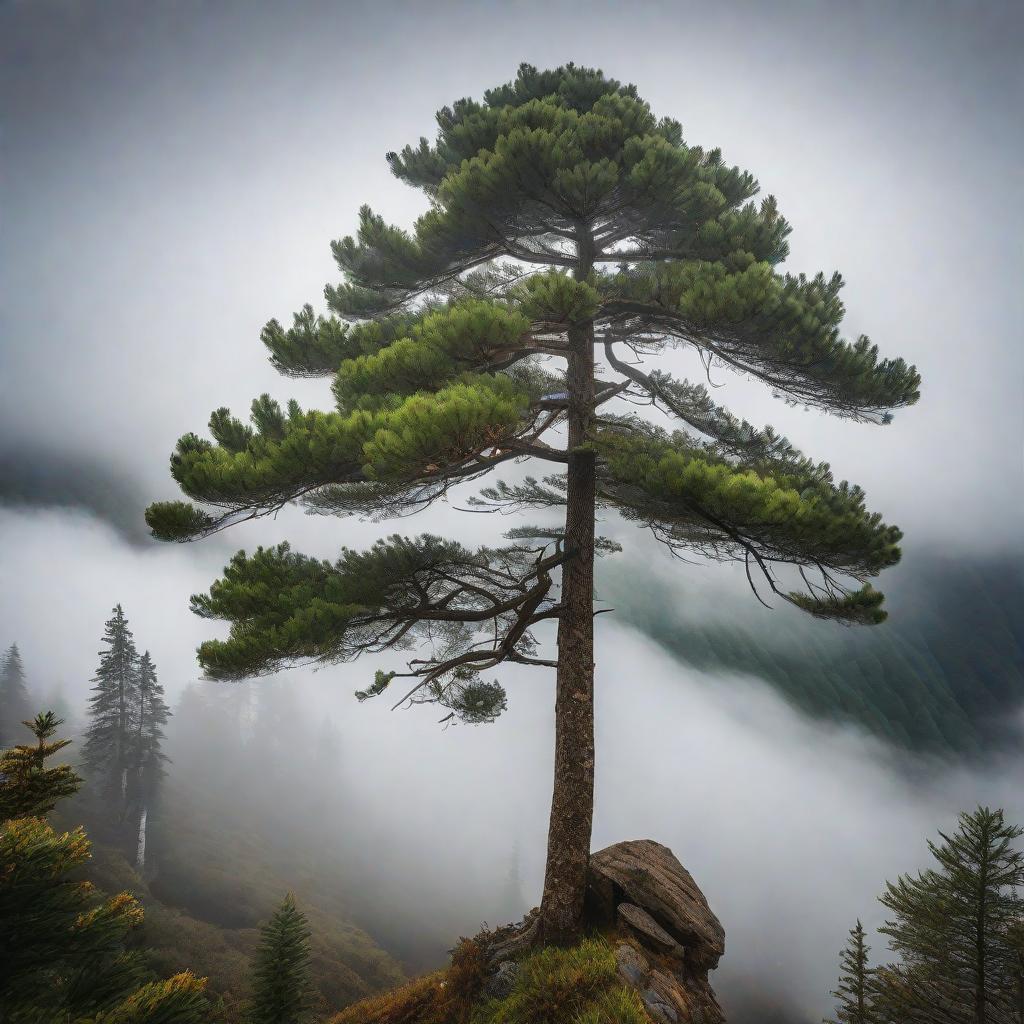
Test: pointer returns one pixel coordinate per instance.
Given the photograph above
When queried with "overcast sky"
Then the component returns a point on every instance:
(172, 174)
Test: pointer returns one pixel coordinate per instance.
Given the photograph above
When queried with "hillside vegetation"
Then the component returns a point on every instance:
(938, 676)
(553, 986)
(212, 884)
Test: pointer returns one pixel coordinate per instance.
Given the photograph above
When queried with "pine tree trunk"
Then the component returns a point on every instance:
(572, 802)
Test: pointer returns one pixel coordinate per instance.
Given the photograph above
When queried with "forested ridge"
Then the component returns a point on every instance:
(937, 676)
(188, 867)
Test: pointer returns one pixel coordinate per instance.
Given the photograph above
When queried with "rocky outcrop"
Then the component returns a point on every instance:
(670, 938)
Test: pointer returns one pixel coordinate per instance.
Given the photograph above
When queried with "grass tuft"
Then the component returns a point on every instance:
(554, 986)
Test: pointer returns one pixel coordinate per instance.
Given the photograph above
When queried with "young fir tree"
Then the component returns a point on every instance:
(570, 236)
(28, 789)
(280, 970)
(15, 706)
(953, 929)
(62, 948)
(109, 736)
(855, 989)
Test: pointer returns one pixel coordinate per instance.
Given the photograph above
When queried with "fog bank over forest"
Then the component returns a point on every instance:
(790, 827)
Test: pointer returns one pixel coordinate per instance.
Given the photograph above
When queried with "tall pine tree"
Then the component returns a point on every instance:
(109, 736)
(571, 235)
(953, 927)
(855, 991)
(281, 987)
(15, 706)
(151, 714)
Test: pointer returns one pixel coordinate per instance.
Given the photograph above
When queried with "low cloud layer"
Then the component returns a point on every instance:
(173, 176)
(790, 827)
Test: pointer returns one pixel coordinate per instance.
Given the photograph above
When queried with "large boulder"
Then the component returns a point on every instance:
(670, 937)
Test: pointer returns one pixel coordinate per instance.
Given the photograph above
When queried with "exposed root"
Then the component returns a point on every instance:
(514, 940)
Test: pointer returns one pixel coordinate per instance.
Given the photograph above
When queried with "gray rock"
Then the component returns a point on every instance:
(647, 930)
(647, 874)
(632, 965)
(501, 983)
(641, 889)
(659, 1010)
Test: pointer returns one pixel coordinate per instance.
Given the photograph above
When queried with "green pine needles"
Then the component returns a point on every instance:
(127, 715)
(855, 993)
(28, 788)
(281, 989)
(572, 236)
(63, 947)
(957, 929)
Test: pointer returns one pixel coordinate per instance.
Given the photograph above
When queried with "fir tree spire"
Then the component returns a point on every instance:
(281, 968)
(854, 990)
(109, 736)
(63, 955)
(953, 927)
(151, 715)
(15, 705)
(27, 787)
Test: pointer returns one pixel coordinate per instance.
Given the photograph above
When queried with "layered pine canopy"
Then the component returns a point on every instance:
(560, 200)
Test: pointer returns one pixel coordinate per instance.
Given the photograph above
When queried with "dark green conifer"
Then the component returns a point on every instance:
(62, 947)
(28, 789)
(571, 234)
(15, 705)
(855, 992)
(953, 929)
(151, 715)
(109, 736)
(281, 986)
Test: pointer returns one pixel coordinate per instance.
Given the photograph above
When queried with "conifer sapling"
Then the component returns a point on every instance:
(854, 992)
(281, 986)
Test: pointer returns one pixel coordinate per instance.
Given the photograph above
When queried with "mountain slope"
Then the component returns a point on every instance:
(944, 674)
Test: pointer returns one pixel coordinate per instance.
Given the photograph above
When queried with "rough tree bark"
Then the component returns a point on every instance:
(572, 802)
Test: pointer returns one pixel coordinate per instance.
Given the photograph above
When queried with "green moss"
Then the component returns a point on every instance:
(554, 986)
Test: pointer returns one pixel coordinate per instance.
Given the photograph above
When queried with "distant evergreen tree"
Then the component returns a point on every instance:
(28, 789)
(855, 989)
(953, 929)
(511, 904)
(56, 699)
(151, 714)
(15, 705)
(281, 968)
(109, 740)
(62, 949)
